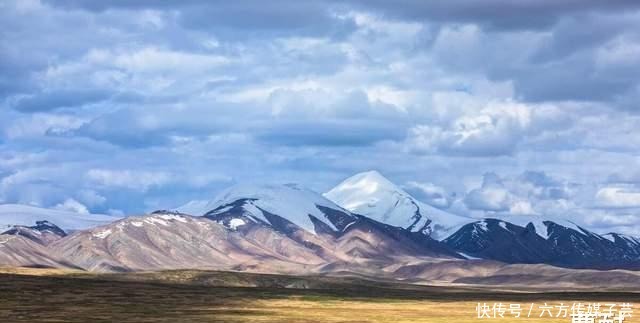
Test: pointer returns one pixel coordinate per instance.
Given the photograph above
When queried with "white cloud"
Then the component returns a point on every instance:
(618, 197)
(491, 196)
(73, 206)
(521, 208)
(530, 193)
(91, 197)
(136, 180)
(495, 130)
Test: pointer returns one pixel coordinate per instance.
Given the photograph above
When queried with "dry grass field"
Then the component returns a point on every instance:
(54, 296)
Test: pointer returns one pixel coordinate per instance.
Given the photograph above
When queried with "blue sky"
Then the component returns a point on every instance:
(478, 107)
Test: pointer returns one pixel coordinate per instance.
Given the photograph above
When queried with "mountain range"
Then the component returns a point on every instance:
(365, 225)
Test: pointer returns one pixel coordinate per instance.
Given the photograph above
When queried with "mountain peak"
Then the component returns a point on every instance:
(266, 203)
(368, 182)
(373, 176)
(372, 195)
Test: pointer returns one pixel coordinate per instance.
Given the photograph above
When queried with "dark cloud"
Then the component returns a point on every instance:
(328, 133)
(309, 18)
(240, 18)
(583, 32)
(140, 128)
(497, 14)
(51, 100)
(559, 82)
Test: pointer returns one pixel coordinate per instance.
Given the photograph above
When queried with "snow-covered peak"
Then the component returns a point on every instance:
(195, 207)
(542, 225)
(372, 195)
(368, 183)
(19, 214)
(290, 201)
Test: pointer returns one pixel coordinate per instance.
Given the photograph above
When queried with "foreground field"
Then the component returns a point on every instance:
(201, 297)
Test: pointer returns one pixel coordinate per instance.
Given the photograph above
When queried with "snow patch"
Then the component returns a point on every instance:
(102, 234)
(503, 225)
(482, 225)
(467, 256)
(173, 217)
(235, 223)
(156, 220)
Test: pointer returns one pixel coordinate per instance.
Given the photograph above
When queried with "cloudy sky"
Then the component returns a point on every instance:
(479, 107)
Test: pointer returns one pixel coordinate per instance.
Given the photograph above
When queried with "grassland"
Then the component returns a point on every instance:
(190, 296)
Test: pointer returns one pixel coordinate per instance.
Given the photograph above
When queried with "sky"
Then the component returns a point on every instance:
(481, 108)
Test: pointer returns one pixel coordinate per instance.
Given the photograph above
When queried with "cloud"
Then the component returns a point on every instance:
(496, 130)
(52, 100)
(73, 206)
(135, 180)
(491, 196)
(521, 208)
(165, 102)
(529, 193)
(624, 177)
(498, 14)
(91, 197)
(430, 193)
(241, 18)
(618, 197)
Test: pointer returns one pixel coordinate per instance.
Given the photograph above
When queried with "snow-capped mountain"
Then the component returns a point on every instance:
(560, 243)
(372, 195)
(43, 232)
(172, 240)
(195, 207)
(277, 206)
(630, 245)
(288, 228)
(500, 240)
(312, 220)
(25, 215)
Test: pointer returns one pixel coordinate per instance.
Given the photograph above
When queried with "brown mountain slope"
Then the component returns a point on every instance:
(20, 251)
(172, 241)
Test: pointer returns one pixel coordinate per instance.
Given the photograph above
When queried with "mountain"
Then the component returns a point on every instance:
(630, 245)
(500, 240)
(25, 215)
(270, 228)
(312, 219)
(27, 246)
(195, 207)
(291, 229)
(20, 251)
(170, 240)
(372, 195)
(44, 232)
(560, 243)
(285, 207)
